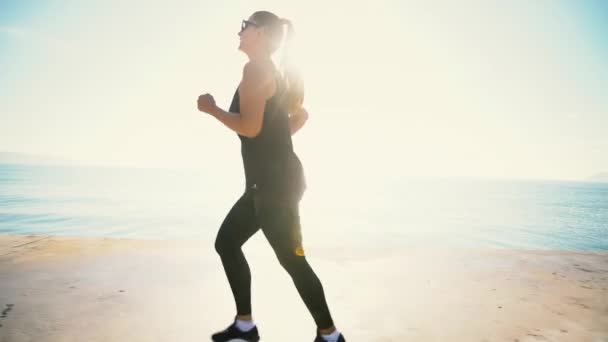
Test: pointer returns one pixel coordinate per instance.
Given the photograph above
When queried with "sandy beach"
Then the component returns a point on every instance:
(92, 289)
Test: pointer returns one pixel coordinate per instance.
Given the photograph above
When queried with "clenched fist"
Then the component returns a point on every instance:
(206, 104)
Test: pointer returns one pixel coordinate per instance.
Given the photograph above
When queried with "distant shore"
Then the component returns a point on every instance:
(95, 289)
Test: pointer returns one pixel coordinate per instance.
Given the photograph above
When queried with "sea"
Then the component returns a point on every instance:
(142, 203)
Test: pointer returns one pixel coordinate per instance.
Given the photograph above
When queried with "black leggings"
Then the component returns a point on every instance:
(280, 223)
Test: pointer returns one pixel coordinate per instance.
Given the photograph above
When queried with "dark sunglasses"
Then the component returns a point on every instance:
(246, 23)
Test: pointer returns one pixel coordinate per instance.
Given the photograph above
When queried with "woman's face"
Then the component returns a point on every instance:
(251, 35)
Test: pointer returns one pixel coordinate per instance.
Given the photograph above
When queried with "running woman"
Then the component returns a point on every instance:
(265, 111)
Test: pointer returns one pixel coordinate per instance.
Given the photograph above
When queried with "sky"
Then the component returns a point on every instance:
(490, 89)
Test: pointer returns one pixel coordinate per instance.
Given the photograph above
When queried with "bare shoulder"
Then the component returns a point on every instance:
(258, 71)
(258, 78)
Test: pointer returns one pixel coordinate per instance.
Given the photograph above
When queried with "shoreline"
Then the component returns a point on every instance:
(58, 288)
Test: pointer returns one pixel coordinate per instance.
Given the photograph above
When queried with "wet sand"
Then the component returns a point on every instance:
(92, 289)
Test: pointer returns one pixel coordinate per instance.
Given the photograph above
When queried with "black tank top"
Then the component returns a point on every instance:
(270, 163)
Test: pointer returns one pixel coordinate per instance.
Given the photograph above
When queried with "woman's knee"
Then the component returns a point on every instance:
(294, 264)
(224, 246)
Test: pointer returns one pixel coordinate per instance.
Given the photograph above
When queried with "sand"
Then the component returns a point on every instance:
(92, 289)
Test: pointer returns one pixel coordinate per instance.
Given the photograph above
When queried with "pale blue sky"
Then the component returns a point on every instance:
(440, 88)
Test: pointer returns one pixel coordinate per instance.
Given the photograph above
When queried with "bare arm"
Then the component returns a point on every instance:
(255, 88)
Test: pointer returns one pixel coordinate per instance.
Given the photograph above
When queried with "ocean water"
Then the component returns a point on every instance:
(169, 204)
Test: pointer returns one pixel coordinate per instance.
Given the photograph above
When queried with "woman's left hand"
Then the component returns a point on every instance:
(206, 103)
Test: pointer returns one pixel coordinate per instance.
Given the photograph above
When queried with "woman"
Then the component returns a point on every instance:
(265, 111)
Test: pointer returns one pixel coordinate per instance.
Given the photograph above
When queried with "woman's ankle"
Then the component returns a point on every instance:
(327, 331)
(244, 317)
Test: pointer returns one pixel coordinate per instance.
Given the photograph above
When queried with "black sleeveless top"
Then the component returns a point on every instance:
(271, 165)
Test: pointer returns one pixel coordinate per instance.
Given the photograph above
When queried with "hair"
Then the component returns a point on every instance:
(273, 26)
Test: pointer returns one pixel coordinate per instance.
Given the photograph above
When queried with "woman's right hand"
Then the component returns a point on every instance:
(297, 118)
(206, 103)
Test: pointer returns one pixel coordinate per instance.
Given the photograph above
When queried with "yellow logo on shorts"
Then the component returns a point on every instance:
(299, 251)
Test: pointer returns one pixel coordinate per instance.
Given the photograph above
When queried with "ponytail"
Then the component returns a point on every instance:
(293, 79)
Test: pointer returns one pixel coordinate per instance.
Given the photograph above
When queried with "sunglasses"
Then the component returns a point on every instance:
(246, 23)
